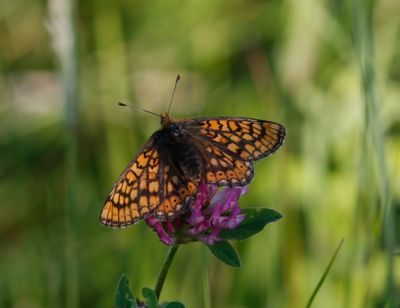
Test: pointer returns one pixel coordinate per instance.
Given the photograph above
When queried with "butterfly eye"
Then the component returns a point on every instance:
(175, 131)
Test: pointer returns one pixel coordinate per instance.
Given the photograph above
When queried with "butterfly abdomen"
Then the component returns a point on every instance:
(176, 151)
(188, 158)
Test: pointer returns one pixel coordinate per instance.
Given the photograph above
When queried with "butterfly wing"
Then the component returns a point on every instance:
(251, 139)
(150, 184)
(137, 191)
(224, 169)
(178, 193)
(231, 144)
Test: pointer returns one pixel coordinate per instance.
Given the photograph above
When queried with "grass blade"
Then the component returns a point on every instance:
(321, 281)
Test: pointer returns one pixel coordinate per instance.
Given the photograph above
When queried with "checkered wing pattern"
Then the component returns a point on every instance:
(231, 144)
(148, 185)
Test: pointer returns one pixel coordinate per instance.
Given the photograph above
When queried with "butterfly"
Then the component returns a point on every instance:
(163, 179)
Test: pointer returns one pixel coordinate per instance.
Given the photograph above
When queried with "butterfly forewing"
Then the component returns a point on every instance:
(229, 146)
(135, 193)
(245, 138)
(152, 183)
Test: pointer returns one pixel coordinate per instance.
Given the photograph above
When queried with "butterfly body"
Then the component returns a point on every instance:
(162, 180)
(176, 148)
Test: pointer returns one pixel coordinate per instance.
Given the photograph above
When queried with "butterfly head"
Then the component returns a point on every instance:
(165, 120)
(169, 127)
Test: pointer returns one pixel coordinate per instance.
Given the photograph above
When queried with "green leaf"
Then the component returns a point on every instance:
(124, 297)
(151, 297)
(321, 281)
(226, 253)
(173, 305)
(255, 221)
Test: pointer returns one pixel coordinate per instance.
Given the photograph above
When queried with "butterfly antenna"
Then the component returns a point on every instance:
(137, 108)
(178, 77)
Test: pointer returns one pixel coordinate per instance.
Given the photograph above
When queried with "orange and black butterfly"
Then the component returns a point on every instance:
(163, 179)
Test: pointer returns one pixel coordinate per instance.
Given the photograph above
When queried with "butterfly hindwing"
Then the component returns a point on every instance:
(178, 193)
(225, 169)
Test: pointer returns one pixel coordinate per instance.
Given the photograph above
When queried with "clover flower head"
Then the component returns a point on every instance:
(213, 211)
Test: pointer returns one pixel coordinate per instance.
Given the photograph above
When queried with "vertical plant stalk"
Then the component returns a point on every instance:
(324, 275)
(61, 25)
(164, 269)
(363, 41)
(206, 279)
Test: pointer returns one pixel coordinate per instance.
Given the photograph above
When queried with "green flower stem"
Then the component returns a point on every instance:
(206, 279)
(164, 270)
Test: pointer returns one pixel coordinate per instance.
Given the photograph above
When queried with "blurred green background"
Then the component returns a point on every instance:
(328, 70)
